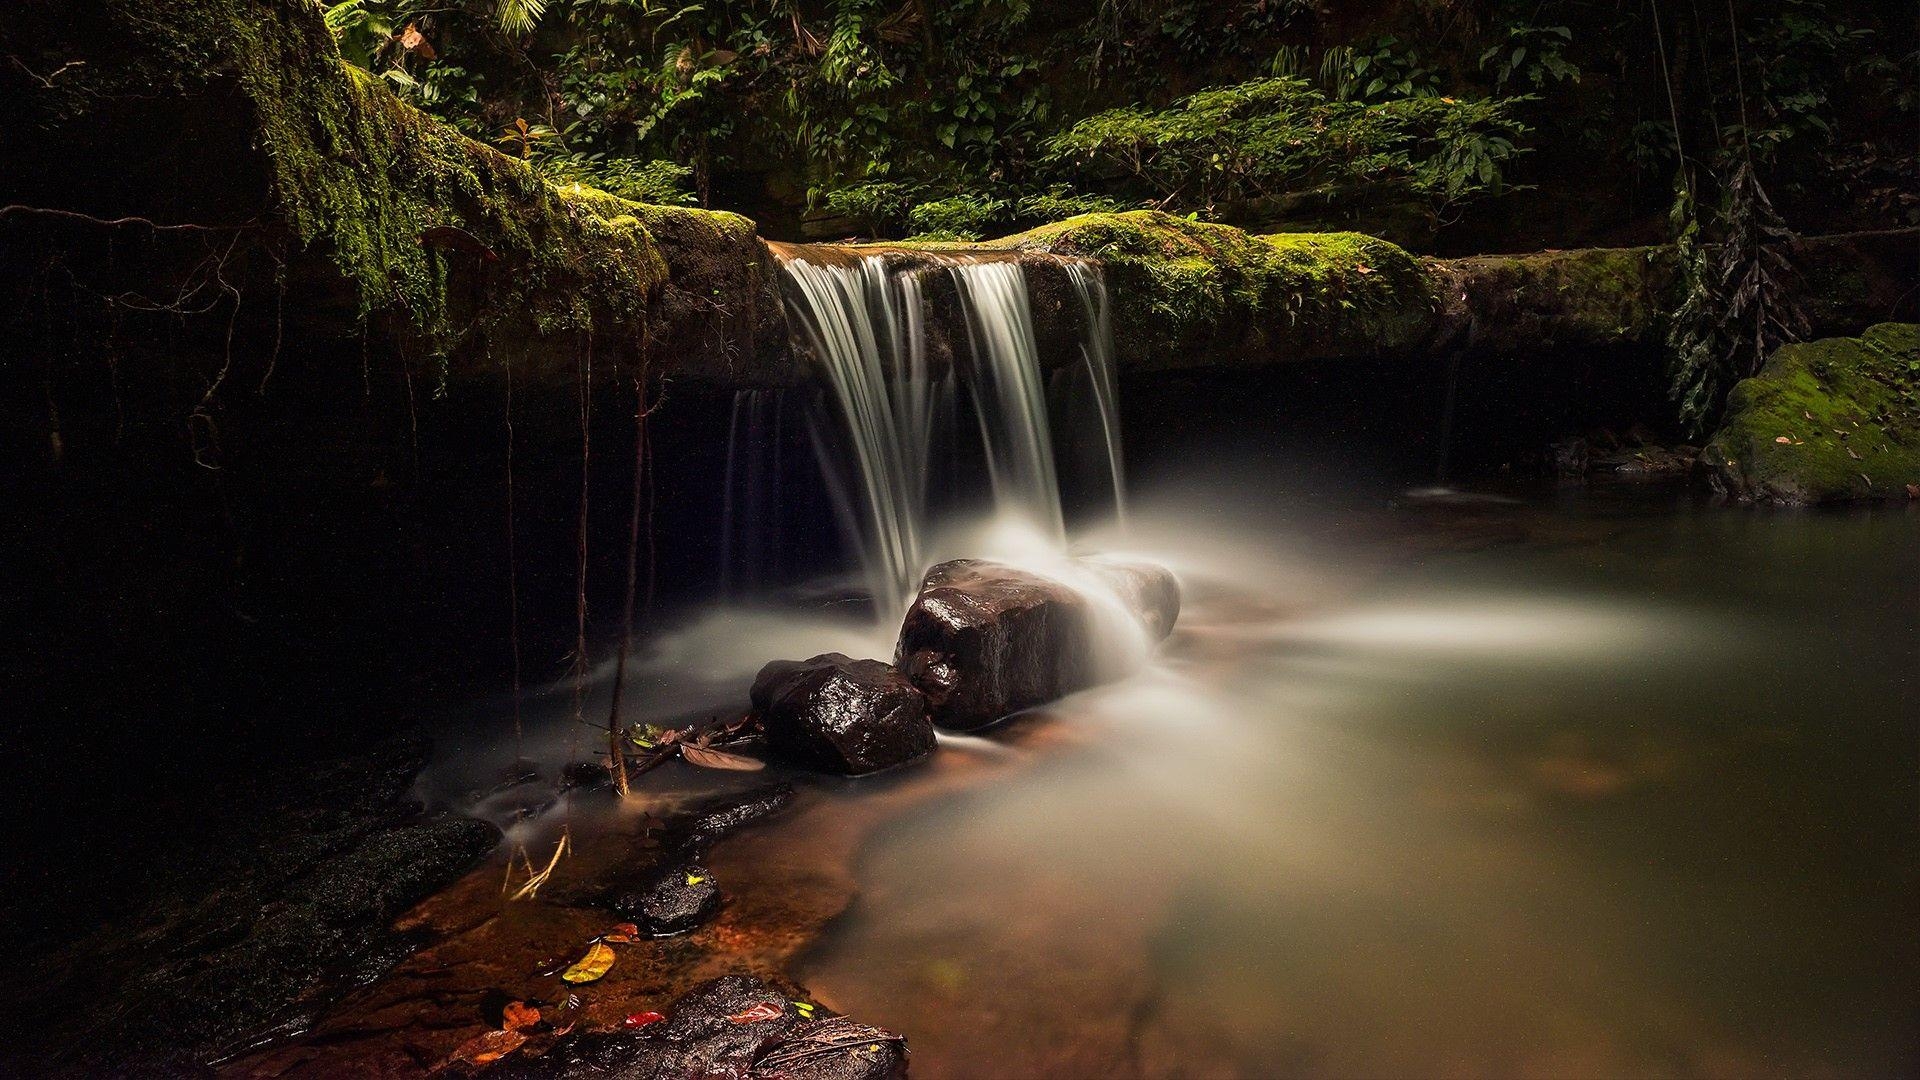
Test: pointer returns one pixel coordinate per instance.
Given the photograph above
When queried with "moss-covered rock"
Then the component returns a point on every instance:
(1195, 289)
(1826, 421)
(450, 243)
(1556, 299)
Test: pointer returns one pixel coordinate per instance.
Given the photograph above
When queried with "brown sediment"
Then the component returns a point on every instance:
(784, 883)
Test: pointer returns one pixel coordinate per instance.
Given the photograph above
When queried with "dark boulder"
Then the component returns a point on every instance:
(984, 640)
(674, 902)
(842, 715)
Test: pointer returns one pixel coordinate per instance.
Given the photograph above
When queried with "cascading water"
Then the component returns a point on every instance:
(1010, 395)
(1097, 350)
(867, 328)
(865, 322)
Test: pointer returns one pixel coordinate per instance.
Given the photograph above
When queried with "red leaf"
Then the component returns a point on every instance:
(641, 1019)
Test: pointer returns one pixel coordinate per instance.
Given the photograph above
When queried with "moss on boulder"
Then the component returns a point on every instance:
(453, 245)
(1199, 290)
(1556, 299)
(1826, 421)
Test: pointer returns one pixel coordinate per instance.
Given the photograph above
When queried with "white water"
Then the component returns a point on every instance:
(1010, 399)
(866, 325)
(1097, 351)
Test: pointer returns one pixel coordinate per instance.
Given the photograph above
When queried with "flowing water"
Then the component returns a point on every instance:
(1535, 783)
(1546, 788)
(865, 321)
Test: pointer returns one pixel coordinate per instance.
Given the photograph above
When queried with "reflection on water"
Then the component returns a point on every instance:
(1500, 790)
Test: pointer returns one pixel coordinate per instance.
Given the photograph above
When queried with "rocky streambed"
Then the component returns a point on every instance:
(662, 943)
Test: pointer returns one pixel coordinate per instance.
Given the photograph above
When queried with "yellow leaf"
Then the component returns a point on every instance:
(597, 962)
(694, 879)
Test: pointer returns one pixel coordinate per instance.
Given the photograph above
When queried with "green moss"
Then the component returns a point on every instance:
(1345, 292)
(1826, 421)
(363, 176)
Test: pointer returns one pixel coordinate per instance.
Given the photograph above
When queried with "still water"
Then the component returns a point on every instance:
(1573, 785)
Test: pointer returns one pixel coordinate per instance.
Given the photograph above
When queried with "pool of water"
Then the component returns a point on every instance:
(1572, 785)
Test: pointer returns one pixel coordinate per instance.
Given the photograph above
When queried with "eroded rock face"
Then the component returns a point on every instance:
(842, 715)
(984, 640)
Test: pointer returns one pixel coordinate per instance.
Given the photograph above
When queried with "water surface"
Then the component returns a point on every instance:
(1572, 786)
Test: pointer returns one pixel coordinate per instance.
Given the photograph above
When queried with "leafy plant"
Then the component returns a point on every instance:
(1530, 55)
(1281, 137)
(1740, 301)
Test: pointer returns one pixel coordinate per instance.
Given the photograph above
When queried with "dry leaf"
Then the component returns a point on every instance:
(709, 758)
(598, 961)
(1782, 439)
(641, 1019)
(518, 1015)
(765, 1010)
(412, 40)
(622, 934)
(485, 1048)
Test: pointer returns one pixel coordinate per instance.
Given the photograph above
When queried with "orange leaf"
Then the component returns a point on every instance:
(485, 1048)
(519, 1015)
(622, 934)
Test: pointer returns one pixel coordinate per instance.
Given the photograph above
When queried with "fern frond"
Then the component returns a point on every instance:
(520, 16)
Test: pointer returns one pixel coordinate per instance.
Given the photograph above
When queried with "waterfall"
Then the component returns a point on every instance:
(1010, 395)
(867, 328)
(865, 323)
(1097, 351)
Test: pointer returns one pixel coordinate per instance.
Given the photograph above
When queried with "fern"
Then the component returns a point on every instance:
(520, 16)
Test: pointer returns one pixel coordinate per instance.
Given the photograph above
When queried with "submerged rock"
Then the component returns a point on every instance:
(983, 640)
(842, 715)
(677, 900)
(732, 1026)
(1825, 421)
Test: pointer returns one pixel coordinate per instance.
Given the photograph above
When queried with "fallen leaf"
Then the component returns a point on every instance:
(694, 879)
(484, 1049)
(641, 1019)
(412, 40)
(518, 1015)
(1913, 491)
(1852, 455)
(598, 961)
(765, 1010)
(708, 758)
(622, 934)
(1782, 439)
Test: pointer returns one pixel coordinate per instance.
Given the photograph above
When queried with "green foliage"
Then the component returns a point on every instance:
(1531, 55)
(960, 217)
(1739, 301)
(660, 183)
(1379, 70)
(1280, 137)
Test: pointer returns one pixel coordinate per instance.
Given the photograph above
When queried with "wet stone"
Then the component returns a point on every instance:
(710, 1032)
(984, 640)
(841, 715)
(676, 901)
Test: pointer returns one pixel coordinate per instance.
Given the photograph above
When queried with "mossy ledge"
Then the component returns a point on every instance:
(461, 253)
(1834, 420)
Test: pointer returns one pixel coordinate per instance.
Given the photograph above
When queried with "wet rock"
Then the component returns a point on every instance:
(709, 1033)
(834, 1048)
(984, 640)
(674, 902)
(842, 715)
(696, 833)
(1148, 590)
